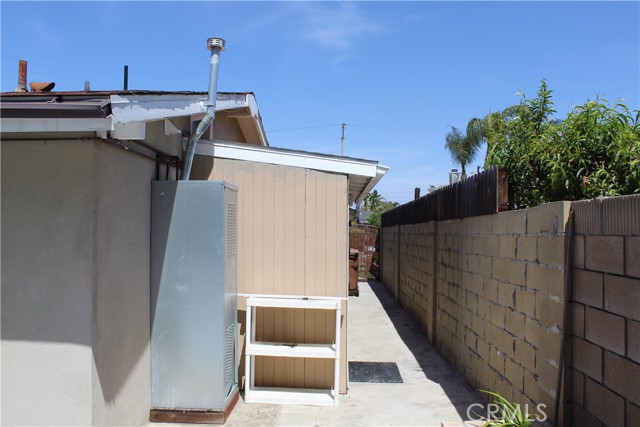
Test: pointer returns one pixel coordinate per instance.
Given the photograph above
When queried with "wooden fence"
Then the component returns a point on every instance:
(481, 194)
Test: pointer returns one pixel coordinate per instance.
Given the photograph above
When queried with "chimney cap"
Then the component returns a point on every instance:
(215, 42)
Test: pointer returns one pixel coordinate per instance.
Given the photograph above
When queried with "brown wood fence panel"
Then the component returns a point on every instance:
(481, 194)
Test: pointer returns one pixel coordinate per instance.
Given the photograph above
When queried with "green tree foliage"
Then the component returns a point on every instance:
(372, 201)
(464, 147)
(594, 151)
(375, 203)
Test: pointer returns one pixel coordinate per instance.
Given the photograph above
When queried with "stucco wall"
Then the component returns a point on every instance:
(121, 318)
(75, 284)
(47, 272)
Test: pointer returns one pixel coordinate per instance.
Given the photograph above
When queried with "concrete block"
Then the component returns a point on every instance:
(605, 253)
(580, 417)
(505, 389)
(514, 374)
(633, 340)
(549, 345)
(534, 331)
(492, 245)
(515, 323)
(497, 315)
(470, 340)
(531, 389)
(491, 290)
(492, 334)
(549, 312)
(506, 295)
(588, 287)
(621, 215)
(577, 387)
(527, 248)
(578, 251)
(605, 329)
(525, 354)
(548, 218)
(482, 349)
(499, 223)
(588, 216)
(622, 376)
(545, 279)
(506, 343)
(587, 358)
(517, 221)
(507, 247)
(471, 302)
(622, 296)
(633, 414)
(478, 245)
(632, 256)
(526, 302)
(485, 265)
(551, 249)
(483, 307)
(547, 371)
(603, 403)
(578, 320)
(509, 271)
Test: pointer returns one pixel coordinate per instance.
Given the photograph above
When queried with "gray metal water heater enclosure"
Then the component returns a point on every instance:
(193, 294)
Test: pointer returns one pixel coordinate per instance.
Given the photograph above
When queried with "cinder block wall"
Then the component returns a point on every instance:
(489, 291)
(606, 312)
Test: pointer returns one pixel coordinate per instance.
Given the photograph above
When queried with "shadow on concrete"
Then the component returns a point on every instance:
(433, 364)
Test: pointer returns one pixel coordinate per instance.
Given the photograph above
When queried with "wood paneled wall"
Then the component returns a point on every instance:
(292, 240)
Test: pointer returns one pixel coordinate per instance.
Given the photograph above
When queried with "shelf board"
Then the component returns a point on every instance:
(277, 395)
(323, 351)
(294, 303)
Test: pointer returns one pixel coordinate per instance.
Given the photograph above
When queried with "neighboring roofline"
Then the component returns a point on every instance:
(287, 157)
(303, 159)
(107, 93)
(18, 125)
(123, 107)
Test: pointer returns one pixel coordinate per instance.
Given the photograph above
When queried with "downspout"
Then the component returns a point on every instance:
(215, 45)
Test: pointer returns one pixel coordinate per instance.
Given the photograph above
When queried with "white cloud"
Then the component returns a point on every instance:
(335, 25)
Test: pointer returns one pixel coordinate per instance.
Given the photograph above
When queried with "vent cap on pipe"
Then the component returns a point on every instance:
(215, 42)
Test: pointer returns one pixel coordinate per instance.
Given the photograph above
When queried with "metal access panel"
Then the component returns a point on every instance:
(193, 294)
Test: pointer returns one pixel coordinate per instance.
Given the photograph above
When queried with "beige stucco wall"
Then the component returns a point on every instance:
(47, 272)
(292, 240)
(121, 319)
(75, 284)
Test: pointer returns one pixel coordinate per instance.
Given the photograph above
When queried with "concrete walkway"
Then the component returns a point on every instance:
(379, 330)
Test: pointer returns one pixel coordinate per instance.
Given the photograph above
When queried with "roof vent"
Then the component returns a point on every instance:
(215, 42)
(42, 86)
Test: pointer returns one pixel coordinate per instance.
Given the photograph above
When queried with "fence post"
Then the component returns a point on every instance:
(396, 285)
(434, 284)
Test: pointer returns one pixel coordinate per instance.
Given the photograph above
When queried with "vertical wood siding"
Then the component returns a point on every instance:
(292, 240)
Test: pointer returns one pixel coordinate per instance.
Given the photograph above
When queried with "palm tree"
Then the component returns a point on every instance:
(373, 201)
(464, 148)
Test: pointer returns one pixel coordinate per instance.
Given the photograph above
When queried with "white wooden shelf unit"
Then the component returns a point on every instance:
(281, 395)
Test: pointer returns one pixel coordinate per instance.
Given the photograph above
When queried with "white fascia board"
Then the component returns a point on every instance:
(255, 115)
(381, 170)
(144, 108)
(55, 125)
(301, 159)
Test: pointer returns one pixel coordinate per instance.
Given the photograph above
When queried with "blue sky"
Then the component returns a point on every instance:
(398, 73)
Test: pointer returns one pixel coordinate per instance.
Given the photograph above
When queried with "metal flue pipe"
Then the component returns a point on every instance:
(215, 45)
